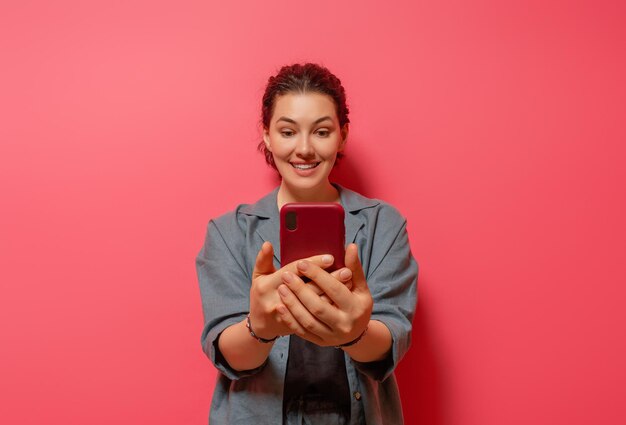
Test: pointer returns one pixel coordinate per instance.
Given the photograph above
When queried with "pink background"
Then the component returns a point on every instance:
(497, 128)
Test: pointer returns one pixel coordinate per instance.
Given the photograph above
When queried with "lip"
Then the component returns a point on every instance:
(307, 172)
(304, 163)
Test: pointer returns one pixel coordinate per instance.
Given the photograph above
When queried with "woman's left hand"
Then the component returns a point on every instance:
(315, 319)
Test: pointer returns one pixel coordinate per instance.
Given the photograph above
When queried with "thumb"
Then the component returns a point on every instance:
(353, 263)
(264, 261)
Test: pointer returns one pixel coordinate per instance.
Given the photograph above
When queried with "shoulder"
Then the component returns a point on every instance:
(228, 220)
(225, 225)
(243, 216)
(375, 209)
(390, 214)
(264, 207)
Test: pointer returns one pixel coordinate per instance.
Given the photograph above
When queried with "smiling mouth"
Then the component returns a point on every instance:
(305, 166)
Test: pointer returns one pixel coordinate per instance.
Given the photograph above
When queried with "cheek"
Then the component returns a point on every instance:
(278, 149)
(281, 155)
(329, 151)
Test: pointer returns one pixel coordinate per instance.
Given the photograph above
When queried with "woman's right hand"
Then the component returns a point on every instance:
(264, 297)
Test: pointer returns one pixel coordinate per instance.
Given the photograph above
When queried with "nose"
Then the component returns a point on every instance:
(303, 146)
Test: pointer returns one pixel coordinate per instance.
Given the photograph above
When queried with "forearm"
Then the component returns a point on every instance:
(374, 345)
(240, 349)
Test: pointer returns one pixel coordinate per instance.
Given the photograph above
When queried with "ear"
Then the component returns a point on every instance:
(266, 139)
(344, 136)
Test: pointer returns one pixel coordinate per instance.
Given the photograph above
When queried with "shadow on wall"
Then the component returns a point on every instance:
(347, 175)
(419, 374)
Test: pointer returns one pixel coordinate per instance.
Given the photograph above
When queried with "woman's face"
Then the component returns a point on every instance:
(304, 137)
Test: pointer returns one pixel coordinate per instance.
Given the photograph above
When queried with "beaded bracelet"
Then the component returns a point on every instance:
(354, 341)
(258, 338)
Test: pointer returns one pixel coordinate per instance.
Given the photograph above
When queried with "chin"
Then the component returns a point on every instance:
(307, 185)
(303, 183)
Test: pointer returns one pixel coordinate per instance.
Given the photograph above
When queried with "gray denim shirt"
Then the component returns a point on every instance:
(224, 266)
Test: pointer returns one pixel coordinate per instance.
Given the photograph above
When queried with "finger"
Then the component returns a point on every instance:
(305, 322)
(343, 274)
(334, 289)
(323, 261)
(285, 317)
(315, 288)
(319, 292)
(264, 261)
(354, 264)
(299, 304)
(326, 312)
(325, 298)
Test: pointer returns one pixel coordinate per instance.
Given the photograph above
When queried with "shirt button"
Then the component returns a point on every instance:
(357, 395)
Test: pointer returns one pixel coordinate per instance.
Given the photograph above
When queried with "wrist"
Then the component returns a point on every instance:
(354, 341)
(375, 345)
(255, 335)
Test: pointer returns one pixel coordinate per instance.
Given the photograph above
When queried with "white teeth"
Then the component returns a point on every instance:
(305, 166)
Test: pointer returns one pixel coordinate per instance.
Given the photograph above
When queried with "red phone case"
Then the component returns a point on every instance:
(319, 230)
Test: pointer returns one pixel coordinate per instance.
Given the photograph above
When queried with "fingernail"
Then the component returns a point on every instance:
(345, 274)
(283, 290)
(327, 259)
(302, 265)
(287, 277)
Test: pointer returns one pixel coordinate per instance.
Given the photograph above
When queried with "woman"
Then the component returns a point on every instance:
(322, 352)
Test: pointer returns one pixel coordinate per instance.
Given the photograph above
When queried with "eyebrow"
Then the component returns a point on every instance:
(315, 122)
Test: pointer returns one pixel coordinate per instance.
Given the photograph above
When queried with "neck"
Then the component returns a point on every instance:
(324, 193)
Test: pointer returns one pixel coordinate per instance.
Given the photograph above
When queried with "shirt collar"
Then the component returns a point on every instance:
(351, 201)
(267, 209)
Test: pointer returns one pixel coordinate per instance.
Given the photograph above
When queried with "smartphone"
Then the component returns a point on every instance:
(312, 228)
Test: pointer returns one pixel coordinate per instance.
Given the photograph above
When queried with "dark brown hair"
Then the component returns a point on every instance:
(302, 78)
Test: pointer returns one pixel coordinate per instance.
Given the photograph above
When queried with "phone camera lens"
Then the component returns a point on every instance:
(291, 220)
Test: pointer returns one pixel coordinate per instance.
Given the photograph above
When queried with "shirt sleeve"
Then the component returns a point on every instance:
(224, 289)
(392, 280)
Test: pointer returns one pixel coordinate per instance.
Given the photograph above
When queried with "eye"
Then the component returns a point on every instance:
(286, 133)
(323, 133)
